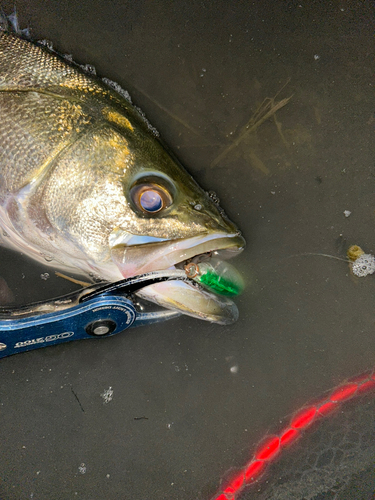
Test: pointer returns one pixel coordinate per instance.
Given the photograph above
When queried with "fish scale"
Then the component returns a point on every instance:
(35, 147)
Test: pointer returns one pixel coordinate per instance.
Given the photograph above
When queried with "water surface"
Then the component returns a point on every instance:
(209, 393)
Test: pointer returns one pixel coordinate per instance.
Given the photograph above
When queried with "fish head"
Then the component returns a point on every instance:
(86, 184)
(134, 209)
(172, 219)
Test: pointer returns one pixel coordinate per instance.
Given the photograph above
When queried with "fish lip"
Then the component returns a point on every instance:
(138, 259)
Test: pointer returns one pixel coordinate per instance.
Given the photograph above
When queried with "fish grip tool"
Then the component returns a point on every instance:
(100, 310)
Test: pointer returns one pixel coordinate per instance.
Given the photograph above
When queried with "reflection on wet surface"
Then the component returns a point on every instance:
(306, 323)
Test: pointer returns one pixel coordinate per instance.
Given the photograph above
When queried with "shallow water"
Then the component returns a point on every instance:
(210, 393)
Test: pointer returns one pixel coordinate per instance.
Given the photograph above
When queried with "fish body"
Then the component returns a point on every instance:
(85, 182)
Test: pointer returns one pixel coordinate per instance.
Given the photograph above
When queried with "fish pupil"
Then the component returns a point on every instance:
(151, 201)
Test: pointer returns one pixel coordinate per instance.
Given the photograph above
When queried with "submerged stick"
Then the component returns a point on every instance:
(266, 109)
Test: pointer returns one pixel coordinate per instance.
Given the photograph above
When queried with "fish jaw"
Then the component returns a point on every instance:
(188, 298)
(133, 260)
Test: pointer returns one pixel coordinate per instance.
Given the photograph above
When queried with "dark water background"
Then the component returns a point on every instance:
(200, 70)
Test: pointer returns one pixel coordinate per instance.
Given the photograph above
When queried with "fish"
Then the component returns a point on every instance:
(87, 185)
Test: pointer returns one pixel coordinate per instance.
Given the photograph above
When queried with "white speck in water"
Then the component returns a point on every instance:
(234, 369)
(347, 213)
(169, 426)
(316, 57)
(108, 476)
(38, 472)
(44, 276)
(364, 265)
(107, 395)
(82, 469)
(198, 206)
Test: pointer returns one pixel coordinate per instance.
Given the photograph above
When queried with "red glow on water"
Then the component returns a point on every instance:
(254, 470)
(289, 436)
(361, 378)
(344, 392)
(269, 449)
(272, 446)
(327, 408)
(304, 418)
(366, 386)
(235, 484)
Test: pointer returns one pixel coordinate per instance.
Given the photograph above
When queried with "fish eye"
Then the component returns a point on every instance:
(151, 201)
(150, 198)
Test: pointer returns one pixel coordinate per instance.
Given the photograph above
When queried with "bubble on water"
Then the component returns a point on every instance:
(82, 468)
(107, 395)
(89, 68)
(46, 43)
(5, 234)
(115, 86)
(213, 197)
(364, 265)
(44, 276)
(47, 258)
(149, 126)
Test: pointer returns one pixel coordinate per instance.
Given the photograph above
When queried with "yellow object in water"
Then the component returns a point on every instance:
(354, 252)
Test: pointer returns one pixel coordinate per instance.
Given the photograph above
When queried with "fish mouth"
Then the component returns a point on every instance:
(187, 298)
(144, 258)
